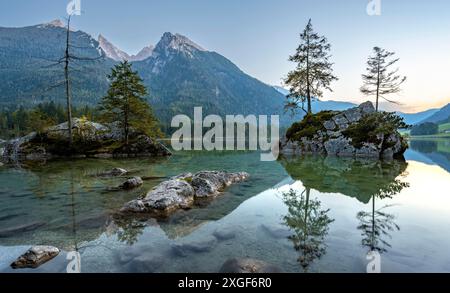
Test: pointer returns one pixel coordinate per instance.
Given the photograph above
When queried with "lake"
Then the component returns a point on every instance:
(305, 214)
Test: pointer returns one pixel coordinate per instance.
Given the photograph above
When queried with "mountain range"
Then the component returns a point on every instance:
(179, 74)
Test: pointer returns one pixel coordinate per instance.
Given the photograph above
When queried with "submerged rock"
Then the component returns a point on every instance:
(248, 266)
(115, 172)
(332, 136)
(90, 139)
(146, 263)
(132, 183)
(35, 257)
(225, 233)
(181, 191)
(277, 232)
(200, 246)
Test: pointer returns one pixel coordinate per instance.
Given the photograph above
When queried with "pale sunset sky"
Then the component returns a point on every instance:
(259, 35)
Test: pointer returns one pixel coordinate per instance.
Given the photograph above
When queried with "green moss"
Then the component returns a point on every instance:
(370, 126)
(309, 126)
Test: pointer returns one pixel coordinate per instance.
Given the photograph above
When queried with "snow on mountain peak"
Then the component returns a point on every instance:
(53, 23)
(116, 54)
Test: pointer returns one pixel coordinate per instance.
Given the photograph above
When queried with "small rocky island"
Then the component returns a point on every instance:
(182, 191)
(356, 132)
(90, 140)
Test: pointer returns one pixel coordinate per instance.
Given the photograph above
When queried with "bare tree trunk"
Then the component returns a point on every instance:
(67, 81)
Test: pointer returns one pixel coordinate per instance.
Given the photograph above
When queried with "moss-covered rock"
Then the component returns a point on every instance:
(90, 139)
(358, 132)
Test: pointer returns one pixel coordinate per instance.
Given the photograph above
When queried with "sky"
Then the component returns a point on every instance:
(259, 35)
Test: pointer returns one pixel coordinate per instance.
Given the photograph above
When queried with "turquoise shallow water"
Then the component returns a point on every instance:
(309, 214)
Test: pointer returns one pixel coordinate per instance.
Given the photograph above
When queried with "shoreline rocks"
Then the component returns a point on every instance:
(180, 192)
(332, 139)
(90, 140)
(35, 257)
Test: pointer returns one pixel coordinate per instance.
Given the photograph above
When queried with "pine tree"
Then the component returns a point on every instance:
(313, 72)
(125, 104)
(380, 81)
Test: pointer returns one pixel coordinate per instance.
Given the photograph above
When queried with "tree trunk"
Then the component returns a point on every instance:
(308, 85)
(373, 224)
(67, 81)
(378, 84)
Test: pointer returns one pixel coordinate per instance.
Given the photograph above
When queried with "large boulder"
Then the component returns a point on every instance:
(331, 138)
(180, 192)
(90, 139)
(35, 257)
(166, 197)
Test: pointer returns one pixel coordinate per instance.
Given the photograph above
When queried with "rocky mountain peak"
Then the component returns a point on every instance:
(176, 42)
(54, 23)
(117, 54)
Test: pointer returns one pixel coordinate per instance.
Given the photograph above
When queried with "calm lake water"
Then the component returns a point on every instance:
(309, 214)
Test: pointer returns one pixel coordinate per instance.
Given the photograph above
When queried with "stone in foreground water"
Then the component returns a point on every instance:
(35, 257)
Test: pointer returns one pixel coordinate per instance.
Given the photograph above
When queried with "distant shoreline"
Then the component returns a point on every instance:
(441, 135)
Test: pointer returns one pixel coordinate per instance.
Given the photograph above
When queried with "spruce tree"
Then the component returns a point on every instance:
(380, 80)
(313, 73)
(125, 103)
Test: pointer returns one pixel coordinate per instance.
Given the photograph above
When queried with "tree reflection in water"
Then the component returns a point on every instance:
(363, 179)
(376, 226)
(309, 222)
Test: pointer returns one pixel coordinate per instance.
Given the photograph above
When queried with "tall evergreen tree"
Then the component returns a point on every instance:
(125, 103)
(313, 72)
(380, 80)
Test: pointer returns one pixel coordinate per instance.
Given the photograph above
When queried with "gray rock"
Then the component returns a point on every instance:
(368, 150)
(181, 191)
(115, 172)
(341, 121)
(225, 233)
(248, 266)
(132, 183)
(277, 232)
(211, 183)
(199, 246)
(164, 198)
(366, 108)
(329, 125)
(340, 146)
(35, 257)
(353, 115)
(1, 164)
(146, 263)
(388, 154)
